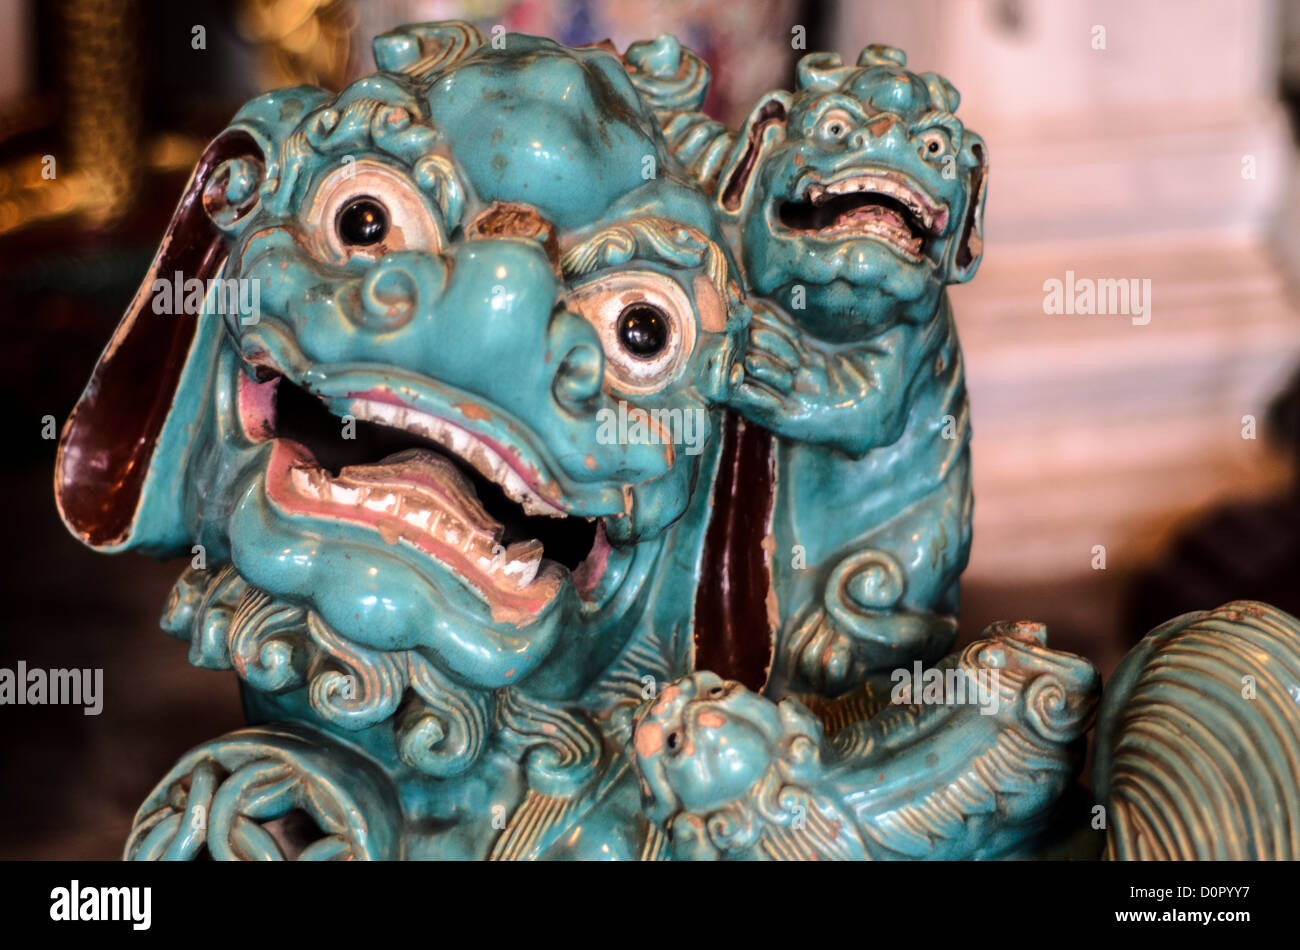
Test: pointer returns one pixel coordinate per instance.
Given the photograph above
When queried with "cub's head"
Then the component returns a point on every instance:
(859, 195)
(710, 750)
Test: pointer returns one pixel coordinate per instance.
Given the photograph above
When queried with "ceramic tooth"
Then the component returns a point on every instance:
(300, 480)
(345, 495)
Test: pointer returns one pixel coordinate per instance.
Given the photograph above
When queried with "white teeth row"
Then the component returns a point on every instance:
(518, 563)
(885, 186)
(463, 444)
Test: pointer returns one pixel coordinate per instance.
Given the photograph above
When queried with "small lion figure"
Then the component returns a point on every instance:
(852, 203)
(728, 774)
(967, 773)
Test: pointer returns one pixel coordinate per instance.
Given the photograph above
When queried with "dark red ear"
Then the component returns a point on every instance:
(751, 141)
(108, 444)
(733, 631)
(970, 247)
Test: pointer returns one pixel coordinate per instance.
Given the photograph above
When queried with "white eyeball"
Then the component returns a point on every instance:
(934, 143)
(367, 209)
(646, 324)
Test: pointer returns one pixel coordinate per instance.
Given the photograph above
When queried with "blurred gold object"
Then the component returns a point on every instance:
(26, 196)
(100, 177)
(302, 41)
(101, 83)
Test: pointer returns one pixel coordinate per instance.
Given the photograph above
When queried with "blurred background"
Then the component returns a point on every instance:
(1124, 473)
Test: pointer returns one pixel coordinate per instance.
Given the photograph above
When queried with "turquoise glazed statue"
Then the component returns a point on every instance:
(564, 475)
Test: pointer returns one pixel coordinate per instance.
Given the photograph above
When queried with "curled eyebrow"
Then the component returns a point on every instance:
(943, 120)
(667, 241)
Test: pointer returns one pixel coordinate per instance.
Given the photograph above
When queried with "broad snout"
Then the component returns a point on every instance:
(487, 318)
(470, 347)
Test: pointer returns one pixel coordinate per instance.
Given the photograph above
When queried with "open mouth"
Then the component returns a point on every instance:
(874, 205)
(429, 483)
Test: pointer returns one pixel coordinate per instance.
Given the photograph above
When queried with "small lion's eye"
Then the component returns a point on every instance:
(933, 143)
(674, 740)
(835, 124)
(643, 330)
(362, 222)
(717, 691)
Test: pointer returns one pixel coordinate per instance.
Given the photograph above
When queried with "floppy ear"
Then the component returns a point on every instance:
(762, 130)
(965, 258)
(109, 456)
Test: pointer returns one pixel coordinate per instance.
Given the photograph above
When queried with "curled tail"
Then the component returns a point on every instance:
(1198, 740)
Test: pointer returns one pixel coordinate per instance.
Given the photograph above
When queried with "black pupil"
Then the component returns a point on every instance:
(934, 146)
(363, 221)
(643, 330)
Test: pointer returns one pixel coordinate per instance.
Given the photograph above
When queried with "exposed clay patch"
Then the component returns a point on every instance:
(511, 219)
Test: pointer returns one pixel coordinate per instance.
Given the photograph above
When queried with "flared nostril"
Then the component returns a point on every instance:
(579, 376)
(390, 295)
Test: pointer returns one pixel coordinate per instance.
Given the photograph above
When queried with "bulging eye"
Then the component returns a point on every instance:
(646, 324)
(362, 222)
(366, 209)
(835, 125)
(933, 143)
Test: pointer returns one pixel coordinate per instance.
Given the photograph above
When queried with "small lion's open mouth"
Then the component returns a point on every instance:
(875, 205)
(433, 485)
